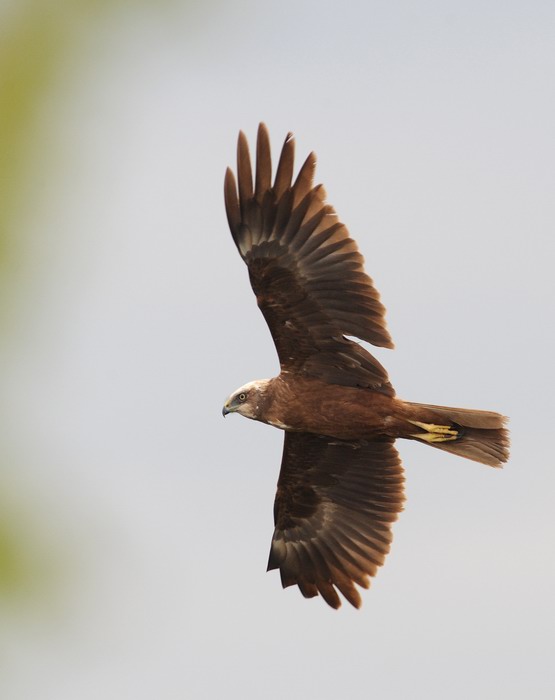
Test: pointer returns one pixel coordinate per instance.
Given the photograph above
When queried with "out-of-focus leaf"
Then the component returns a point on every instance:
(36, 38)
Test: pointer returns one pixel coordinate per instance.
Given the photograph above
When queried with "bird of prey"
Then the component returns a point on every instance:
(341, 481)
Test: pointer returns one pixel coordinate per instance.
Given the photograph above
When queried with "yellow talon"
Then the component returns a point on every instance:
(434, 433)
(435, 437)
(432, 428)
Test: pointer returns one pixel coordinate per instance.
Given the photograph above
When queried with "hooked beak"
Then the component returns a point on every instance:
(225, 409)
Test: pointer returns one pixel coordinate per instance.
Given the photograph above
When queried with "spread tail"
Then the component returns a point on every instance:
(477, 435)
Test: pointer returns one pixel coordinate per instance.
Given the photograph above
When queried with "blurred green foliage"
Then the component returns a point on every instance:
(33, 43)
(33, 560)
(18, 573)
(37, 38)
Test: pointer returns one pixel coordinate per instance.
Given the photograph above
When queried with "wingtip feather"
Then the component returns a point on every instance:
(305, 178)
(284, 173)
(231, 201)
(263, 163)
(244, 168)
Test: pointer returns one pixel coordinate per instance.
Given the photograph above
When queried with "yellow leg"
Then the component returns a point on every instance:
(434, 433)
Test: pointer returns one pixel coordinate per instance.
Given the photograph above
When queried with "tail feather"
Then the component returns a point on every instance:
(482, 436)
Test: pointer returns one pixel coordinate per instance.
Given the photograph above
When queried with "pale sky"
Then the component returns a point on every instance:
(433, 126)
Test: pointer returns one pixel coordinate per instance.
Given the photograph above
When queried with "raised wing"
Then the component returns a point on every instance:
(334, 506)
(305, 269)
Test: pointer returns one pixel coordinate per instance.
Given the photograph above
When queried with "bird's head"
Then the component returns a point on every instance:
(247, 400)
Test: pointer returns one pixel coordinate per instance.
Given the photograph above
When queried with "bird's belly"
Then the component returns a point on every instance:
(342, 422)
(345, 413)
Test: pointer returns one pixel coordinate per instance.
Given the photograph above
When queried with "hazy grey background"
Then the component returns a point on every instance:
(140, 521)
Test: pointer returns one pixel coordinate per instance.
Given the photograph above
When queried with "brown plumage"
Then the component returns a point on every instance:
(341, 481)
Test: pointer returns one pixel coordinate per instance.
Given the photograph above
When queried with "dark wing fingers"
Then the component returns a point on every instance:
(232, 203)
(284, 173)
(263, 165)
(304, 182)
(244, 172)
(305, 270)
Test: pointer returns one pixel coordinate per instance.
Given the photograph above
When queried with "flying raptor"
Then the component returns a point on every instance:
(341, 481)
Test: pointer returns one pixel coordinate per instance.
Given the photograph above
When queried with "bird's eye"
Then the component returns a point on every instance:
(242, 397)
